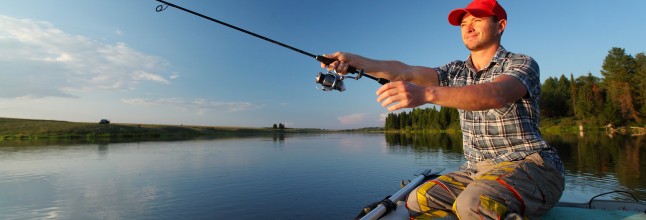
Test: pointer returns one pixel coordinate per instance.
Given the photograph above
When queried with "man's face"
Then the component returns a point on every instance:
(479, 33)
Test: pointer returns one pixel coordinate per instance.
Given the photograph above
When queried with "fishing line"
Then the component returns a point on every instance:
(320, 77)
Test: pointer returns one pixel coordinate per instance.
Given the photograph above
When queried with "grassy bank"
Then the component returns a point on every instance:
(28, 129)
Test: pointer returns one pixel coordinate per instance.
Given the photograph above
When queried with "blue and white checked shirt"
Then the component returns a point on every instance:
(504, 134)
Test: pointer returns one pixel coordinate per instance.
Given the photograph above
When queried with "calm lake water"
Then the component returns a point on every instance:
(330, 176)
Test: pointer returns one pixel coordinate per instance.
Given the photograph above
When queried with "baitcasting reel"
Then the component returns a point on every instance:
(333, 80)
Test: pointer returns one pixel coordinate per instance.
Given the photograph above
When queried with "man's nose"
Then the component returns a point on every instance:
(470, 28)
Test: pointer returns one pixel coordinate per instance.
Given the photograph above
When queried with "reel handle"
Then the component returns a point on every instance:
(351, 69)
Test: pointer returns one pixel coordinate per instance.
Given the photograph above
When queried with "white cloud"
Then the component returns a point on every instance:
(200, 106)
(352, 119)
(382, 117)
(42, 61)
(149, 102)
(141, 75)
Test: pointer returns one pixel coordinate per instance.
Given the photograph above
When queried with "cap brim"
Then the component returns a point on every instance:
(455, 16)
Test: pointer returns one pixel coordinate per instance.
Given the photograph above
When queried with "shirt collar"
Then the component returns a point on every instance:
(500, 54)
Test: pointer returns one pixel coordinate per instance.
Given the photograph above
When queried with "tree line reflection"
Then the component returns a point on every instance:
(600, 155)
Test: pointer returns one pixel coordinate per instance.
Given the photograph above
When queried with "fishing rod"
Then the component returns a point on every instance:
(329, 81)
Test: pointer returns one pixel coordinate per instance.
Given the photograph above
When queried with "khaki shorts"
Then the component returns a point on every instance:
(508, 190)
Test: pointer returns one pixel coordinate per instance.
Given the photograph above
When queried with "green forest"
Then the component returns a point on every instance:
(617, 98)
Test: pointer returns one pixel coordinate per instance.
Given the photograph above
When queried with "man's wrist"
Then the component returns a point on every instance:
(430, 94)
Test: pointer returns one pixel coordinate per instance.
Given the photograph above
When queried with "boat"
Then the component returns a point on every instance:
(394, 207)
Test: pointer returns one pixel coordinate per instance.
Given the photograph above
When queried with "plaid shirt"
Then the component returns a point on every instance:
(504, 134)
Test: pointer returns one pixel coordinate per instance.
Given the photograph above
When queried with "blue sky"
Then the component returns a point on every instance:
(79, 60)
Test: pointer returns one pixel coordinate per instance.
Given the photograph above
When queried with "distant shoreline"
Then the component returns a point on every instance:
(32, 129)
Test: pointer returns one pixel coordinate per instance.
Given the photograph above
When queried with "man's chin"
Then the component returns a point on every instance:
(471, 47)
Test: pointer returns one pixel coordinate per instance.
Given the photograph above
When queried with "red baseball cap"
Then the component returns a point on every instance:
(478, 8)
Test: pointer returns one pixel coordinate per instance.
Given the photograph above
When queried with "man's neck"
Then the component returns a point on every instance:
(481, 58)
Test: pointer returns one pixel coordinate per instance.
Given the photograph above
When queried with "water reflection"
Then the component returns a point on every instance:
(279, 137)
(282, 176)
(435, 150)
(594, 164)
(600, 156)
(102, 150)
(430, 142)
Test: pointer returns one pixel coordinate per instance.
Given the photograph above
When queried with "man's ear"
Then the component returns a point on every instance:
(502, 24)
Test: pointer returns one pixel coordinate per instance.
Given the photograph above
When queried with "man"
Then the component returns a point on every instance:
(511, 172)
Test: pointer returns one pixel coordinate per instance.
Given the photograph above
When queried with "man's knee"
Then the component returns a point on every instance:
(430, 196)
(418, 200)
(422, 205)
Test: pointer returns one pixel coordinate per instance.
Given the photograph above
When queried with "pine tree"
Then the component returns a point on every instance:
(619, 70)
(589, 104)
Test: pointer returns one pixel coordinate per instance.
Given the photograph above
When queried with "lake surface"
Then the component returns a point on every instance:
(329, 176)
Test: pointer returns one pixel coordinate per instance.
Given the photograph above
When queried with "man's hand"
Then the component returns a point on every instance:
(341, 63)
(402, 95)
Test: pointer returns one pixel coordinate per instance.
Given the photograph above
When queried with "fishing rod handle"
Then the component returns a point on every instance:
(351, 69)
(329, 61)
